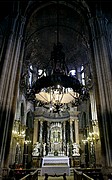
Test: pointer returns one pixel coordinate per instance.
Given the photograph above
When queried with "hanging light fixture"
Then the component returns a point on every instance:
(57, 88)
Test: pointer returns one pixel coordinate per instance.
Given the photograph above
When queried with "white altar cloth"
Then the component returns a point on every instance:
(55, 165)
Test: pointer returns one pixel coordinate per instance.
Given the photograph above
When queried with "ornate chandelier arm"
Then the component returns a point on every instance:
(45, 99)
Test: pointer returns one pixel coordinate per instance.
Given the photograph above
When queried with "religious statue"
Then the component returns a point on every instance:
(75, 151)
(36, 149)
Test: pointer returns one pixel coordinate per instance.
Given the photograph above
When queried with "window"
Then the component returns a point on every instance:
(41, 73)
(82, 75)
(30, 75)
(72, 72)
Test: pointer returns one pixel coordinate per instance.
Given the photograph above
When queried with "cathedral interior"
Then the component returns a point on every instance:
(56, 84)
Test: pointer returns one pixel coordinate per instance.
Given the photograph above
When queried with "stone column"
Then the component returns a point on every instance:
(102, 58)
(40, 137)
(76, 124)
(71, 130)
(41, 131)
(71, 136)
(48, 137)
(10, 72)
(95, 127)
(64, 138)
(13, 150)
(35, 134)
(74, 117)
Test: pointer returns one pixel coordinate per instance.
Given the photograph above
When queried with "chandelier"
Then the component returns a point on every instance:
(58, 88)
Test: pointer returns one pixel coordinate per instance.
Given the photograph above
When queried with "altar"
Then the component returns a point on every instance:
(55, 165)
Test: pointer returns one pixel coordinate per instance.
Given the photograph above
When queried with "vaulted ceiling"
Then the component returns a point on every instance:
(42, 31)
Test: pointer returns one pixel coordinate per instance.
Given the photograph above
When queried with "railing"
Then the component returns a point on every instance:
(21, 174)
(34, 175)
(31, 176)
(79, 175)
(27, 177)
(87, 174)
(84, 176)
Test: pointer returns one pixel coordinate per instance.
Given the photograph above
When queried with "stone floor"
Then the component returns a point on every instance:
(56, 178)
